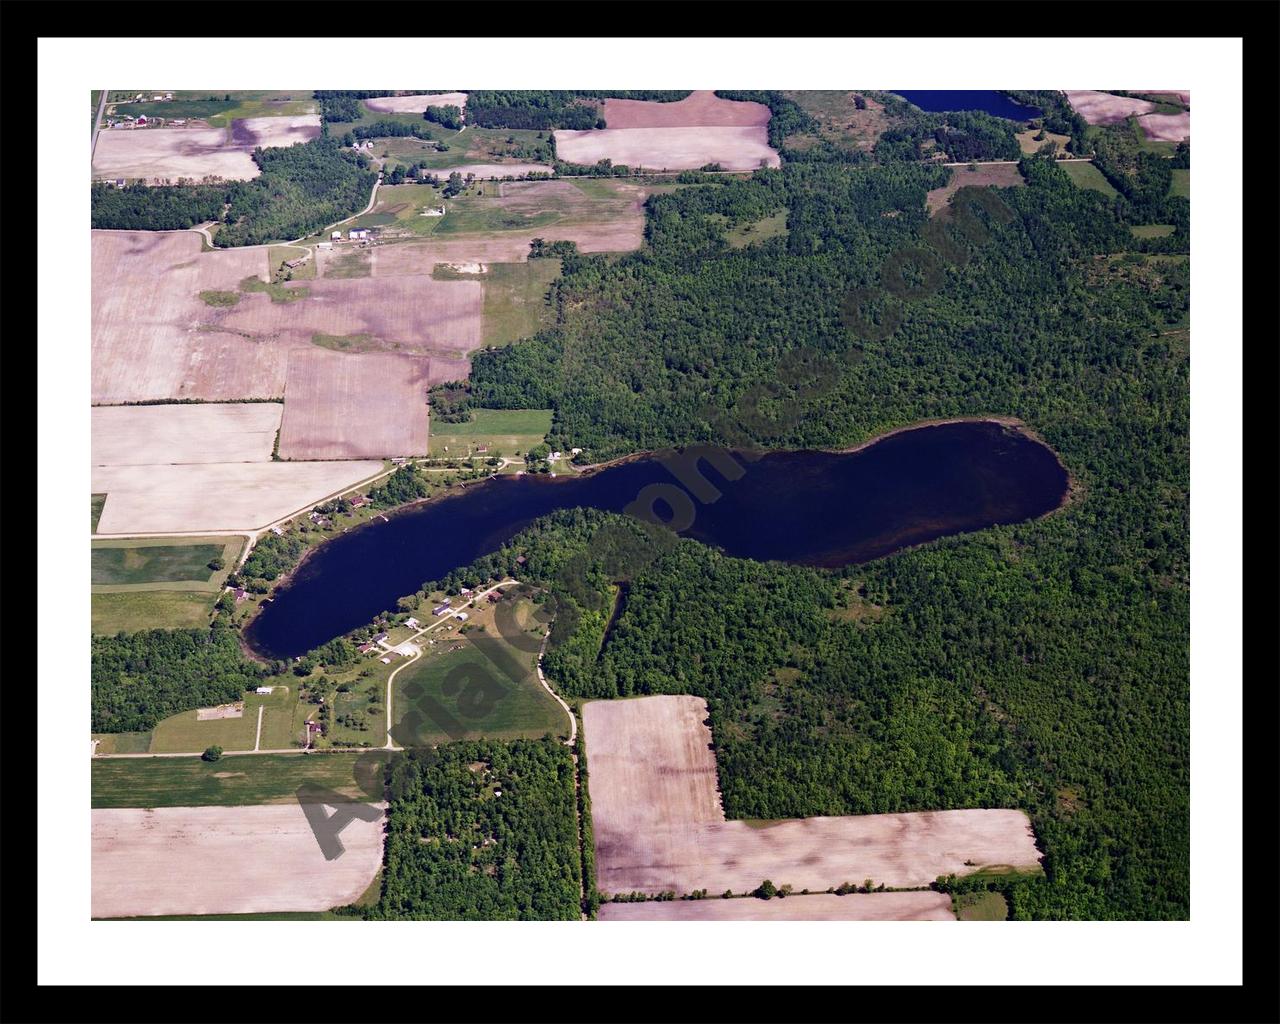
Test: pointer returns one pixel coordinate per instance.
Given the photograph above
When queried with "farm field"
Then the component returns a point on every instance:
(998, 175)
(220, 860)
(881, 906)
(484, 152)
(416, 103)
(159, 154)
(1166, 127)
(235, 496)
(96, 501)
(659, 825)
(344, 406)
(515, 303)
(173, 560)
(1104, 108)
(1088, 176)
(218, 111)
(670, 149)
(142, 435)
(501, 430)
(121, 742)
(701, 108)
(133, 610)
(982, 906)
(166, 154)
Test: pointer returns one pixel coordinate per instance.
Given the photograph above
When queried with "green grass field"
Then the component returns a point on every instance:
(278, 254)
(133, 610)
(402, 205)
(515, 304)
(122, 742)
(185, 733)
(1088, 176)
(348, 265)
(1181, 185)
(466, 694)
(1151, 230)
(96, 501)
(359, 715)
(159, 563)
(504, 431)
(981, 906)
(761, 230)
(214, 107)
(473, 146)
(231, 781)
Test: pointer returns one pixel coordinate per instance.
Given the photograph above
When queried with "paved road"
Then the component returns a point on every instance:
(102, 105)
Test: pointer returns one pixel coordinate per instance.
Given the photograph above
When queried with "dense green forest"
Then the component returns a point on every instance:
(481, 831)
(139, 678)
(300, 190)
(1041, 665)
(552, 108)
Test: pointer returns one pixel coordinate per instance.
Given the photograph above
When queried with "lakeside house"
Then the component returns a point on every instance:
(411, 622)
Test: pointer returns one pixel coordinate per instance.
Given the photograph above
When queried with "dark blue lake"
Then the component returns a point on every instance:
(806, 507)
(990, 101)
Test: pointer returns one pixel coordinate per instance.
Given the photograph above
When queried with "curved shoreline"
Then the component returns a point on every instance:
(1072, 491)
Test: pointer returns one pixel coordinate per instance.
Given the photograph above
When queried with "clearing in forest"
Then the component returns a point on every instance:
(980, 176)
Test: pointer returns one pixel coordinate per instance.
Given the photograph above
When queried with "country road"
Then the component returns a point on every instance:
(97, 122)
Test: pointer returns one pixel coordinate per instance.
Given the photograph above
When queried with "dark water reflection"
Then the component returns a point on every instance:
(812, 508)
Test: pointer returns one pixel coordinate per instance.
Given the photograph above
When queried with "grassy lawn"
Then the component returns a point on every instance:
(504, 431)
(1181, 182)
(154, 563)
(123, 742)
(473, 690)
(981, 906)
(360, 715)
(184, 733)
(1088, 176)
(133, 610)
(1151, 230)
(162, 563)
(191, 782)
(761, 230)
(96, 501)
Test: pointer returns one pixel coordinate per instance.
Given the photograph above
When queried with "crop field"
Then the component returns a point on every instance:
(501, 430)
(1167, 127)
(880, 906)
(144, 435)
(1088, 176)
(999, 175)
(702, 108)
(422, 316)
(1104, 108)
(180, 561)
(237, 781)
(415, 104)
(252, 132)
(500, 170)
(659, 825)
(345, 406)
(147, 316)
(234, 496)
(671, 149)
(159, 154)
(224, 860)
(133, 610)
